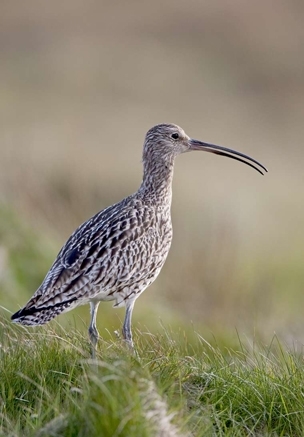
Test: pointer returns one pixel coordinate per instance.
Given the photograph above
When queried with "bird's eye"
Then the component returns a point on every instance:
(175, 136)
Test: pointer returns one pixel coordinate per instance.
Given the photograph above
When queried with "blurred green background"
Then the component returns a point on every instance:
(82, 81)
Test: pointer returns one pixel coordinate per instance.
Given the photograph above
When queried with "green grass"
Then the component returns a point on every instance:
(50, 387)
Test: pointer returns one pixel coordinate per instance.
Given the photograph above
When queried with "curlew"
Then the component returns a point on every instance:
(120, 251)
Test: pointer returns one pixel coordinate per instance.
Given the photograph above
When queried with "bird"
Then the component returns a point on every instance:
(120, 251)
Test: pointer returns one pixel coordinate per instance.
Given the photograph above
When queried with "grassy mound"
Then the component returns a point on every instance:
(50, 387)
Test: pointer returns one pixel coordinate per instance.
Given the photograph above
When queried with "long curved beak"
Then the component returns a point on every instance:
(224, 151)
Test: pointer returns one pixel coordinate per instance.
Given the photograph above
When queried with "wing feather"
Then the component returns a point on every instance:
(112, 250)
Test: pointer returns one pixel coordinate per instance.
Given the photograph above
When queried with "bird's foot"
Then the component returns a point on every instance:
(130, 346)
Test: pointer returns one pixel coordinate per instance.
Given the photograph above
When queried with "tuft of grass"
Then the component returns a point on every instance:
(50, 387)
(252, 392)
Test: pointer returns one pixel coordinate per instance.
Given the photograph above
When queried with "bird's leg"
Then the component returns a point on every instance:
(126, 329)
(93, 333)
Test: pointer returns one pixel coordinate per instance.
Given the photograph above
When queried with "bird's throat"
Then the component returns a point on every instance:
(157, 181)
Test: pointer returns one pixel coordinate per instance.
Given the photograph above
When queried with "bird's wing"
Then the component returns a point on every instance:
(104, 253)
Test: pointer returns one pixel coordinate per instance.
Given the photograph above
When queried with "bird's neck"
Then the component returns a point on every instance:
(156, 186)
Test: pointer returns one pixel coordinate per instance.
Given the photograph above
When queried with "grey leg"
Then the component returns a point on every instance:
(93, 333)
(126, 329)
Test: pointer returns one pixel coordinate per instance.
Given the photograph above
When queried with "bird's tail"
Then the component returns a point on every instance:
(39, 315)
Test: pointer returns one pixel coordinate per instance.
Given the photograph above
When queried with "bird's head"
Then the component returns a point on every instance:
(165, 141)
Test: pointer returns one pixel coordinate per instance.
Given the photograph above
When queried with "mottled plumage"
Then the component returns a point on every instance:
(120, 251)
